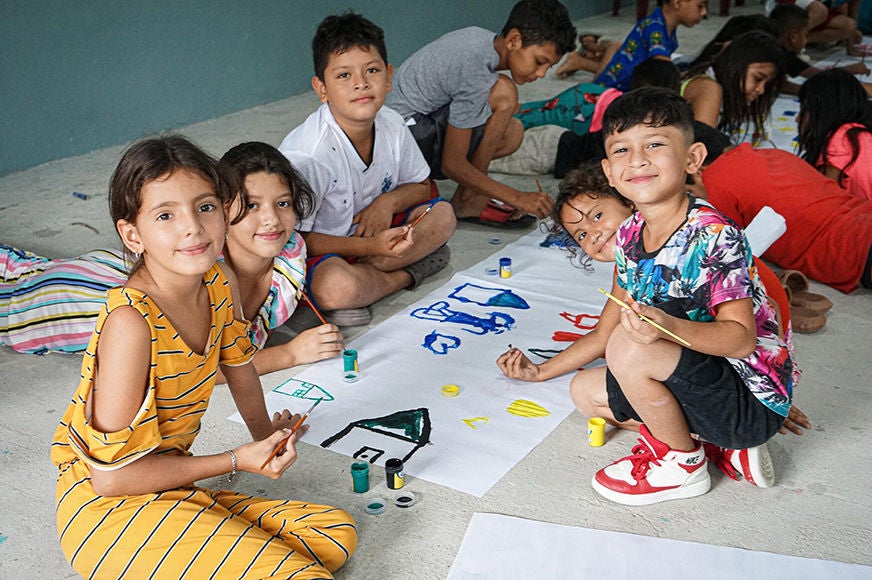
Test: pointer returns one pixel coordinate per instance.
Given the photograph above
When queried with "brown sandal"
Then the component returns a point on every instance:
(802, 319)
(797, 282)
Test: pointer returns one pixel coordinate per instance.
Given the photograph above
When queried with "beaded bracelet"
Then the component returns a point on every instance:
(232, 475)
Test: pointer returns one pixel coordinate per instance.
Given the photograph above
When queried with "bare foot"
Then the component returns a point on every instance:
(467, 204)
(574, 62)
(858, 50)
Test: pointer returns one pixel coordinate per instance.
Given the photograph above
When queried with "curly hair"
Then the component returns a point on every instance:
(588, 179)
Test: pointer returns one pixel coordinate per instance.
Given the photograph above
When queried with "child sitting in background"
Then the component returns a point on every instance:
(792, 32)
(829, 21)
(369, 178)
(653, 37)
(736, 90)
(127, 503)
(733, 27)
(460, 109)
(592, 56)
(835, 130)
(829, 231)
(580, 108)
(686, 267)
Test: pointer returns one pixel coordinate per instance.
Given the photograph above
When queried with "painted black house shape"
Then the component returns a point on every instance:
(399, 434)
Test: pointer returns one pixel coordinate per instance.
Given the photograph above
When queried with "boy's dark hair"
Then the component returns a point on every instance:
(541, 21)
(656, 72)
(340, 32)
(651, 106)
(827, 101)
(587, 179)
(787, 18)
(255, 157)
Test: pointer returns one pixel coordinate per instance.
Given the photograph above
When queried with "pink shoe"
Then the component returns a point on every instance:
(653, 473)
(753, 464)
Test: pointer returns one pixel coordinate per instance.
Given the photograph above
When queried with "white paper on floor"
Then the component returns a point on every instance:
(454, 336)
(504, 548)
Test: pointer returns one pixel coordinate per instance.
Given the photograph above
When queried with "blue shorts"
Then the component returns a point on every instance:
(398, 220)
(715, 401)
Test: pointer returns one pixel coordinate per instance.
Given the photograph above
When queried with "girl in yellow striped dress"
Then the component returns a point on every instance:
(127, 506)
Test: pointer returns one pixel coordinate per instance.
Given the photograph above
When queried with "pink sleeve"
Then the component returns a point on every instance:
(858, 180)
(602, 103)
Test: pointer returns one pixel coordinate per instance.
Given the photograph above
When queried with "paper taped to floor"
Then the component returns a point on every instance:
(453, 336)
(501, 547)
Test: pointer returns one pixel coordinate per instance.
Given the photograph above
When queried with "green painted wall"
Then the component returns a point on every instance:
(78, 75)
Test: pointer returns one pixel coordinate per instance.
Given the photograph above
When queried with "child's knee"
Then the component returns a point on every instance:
(503, 96)
(621, 349)
(332, 284)
(445, 222)
(343, 536)
(588, 392)
(817, 13)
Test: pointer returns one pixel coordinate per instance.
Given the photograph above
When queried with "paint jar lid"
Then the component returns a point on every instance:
(491, 271)
(450, 390)
(496, 241)
(405, 500)
(375, 506)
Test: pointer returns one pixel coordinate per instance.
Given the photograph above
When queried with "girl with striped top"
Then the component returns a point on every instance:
(126, 501)
(51, 305)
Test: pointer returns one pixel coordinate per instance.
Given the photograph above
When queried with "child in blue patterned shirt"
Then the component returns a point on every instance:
(652, 37)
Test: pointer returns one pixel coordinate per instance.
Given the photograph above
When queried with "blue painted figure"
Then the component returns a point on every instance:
(486, 296)
(440, 343)
(497, 322)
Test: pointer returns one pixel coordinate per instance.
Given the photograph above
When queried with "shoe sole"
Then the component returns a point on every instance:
(348, 318)
(686, 491)
(759, 470)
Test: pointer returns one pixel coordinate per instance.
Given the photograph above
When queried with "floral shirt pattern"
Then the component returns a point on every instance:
(706, 262)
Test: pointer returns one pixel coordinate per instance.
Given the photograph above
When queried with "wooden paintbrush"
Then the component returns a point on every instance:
(312, 304)
(623, 304)
(413, 224)
(281, 444)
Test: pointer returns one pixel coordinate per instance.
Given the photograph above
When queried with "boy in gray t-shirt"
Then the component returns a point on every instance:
(460, 109)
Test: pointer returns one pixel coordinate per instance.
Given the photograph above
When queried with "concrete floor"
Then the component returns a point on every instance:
(820, 507)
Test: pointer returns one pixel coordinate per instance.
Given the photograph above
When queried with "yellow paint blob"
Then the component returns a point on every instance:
(525, 408)
(472, 422)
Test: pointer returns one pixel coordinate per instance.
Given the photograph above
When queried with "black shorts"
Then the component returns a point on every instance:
(429, 132)
(715, 401)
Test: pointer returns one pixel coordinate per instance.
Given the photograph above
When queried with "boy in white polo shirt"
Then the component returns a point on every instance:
(369, 177)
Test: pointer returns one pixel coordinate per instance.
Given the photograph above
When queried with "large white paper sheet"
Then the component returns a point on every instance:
(505, 548)
(454, 336)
